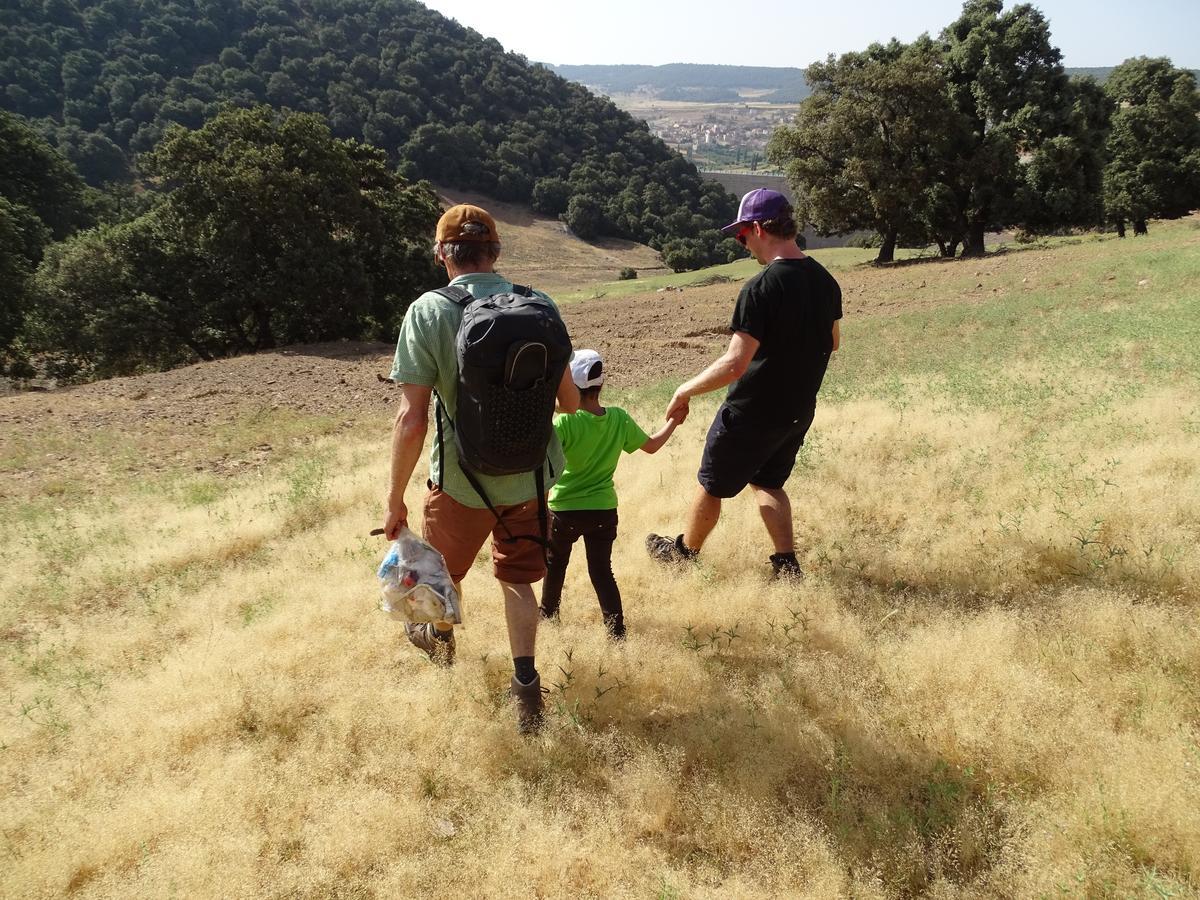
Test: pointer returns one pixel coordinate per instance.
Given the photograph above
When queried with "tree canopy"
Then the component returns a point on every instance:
(1008, 85)
(270, 231)
(105, 79)
(864, 149)
(41, 199)
(39, 179)
(1153, 147)
(943, 140)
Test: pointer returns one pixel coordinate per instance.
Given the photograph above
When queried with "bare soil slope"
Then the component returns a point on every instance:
(252, 409)
(541, 251)
(646, 338)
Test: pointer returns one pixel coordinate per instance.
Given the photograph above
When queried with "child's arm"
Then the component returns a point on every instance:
(655, 441)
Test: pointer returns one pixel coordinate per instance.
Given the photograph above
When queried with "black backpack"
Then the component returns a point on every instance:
(512, 349)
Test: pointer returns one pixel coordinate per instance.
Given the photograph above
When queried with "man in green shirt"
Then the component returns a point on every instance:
(456, 519)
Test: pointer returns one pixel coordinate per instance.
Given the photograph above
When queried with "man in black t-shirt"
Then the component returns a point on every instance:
(785, 326)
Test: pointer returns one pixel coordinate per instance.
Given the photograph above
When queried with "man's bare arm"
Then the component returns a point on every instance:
(408, 437)
(725, 370)
(567, 399)
(837, 333)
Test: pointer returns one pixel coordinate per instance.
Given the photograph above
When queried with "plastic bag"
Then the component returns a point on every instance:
(415, 585)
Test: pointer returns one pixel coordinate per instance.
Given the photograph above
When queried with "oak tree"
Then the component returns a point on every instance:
(1154, 145)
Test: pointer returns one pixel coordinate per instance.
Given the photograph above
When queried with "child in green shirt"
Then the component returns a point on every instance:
(584, 502)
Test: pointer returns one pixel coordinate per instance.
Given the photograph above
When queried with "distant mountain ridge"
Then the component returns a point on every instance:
(694, 81)
(719, 83)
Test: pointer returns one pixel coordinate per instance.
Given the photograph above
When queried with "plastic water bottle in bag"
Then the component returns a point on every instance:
(415, 585)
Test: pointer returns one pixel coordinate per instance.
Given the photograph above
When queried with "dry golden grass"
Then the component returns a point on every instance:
(987, 686)
(948, 705)
(540, 250)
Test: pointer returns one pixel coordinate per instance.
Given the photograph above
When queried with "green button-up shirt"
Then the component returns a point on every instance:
(425, 355)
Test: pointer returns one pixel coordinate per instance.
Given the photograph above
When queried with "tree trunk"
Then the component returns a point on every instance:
(948, 246)
(973, 244)
(1139, 227)
(887, 250)
(1120, 228)
(265, 339)
(200, 350)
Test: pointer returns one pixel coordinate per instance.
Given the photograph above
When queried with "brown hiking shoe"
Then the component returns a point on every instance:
(530, 706)
(422, 636)
(668, 551)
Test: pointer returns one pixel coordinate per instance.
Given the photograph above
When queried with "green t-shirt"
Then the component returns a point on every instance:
(593, 446)
(425, 355)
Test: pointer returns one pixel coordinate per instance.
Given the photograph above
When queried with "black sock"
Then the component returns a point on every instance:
(783, 557)
(688, 552)
(524, 668)
(447, 635)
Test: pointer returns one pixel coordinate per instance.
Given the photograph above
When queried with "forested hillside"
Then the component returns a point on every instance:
(104, 79)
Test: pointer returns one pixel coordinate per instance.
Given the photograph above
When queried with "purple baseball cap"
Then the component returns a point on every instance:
(760, 205)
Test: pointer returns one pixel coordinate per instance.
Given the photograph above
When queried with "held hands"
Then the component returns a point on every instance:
(678, 408)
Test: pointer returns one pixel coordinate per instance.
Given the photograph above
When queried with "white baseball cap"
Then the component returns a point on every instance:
(583, 362)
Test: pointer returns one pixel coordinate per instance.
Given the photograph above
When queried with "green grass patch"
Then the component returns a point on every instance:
(834, 259)
(1046, 334)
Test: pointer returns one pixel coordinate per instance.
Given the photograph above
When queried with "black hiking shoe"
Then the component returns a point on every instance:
(669, 552)
(530, 706)
(549, 614)
(785, 568)
(615, 626)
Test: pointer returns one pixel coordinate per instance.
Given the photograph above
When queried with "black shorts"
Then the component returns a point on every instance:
(739, 452)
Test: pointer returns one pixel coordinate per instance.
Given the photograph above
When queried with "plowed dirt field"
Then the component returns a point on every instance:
(645, 339)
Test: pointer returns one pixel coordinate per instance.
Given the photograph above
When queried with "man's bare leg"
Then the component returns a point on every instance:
(706, 510)
(521, 614)
(776, 511)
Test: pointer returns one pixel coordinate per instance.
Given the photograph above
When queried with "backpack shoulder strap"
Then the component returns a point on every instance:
(455, 294)
(462, 296)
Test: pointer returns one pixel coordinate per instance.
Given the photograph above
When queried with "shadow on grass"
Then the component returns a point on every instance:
(993, 252)
(763, 747)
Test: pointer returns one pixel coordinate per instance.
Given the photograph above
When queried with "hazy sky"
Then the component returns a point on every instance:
(788, 33)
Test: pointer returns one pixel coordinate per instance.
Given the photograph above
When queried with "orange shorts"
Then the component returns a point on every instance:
(458, 533)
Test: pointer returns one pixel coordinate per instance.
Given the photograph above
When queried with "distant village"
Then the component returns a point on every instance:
(728, 136)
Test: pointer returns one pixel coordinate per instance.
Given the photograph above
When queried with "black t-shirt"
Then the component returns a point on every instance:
(789, 307)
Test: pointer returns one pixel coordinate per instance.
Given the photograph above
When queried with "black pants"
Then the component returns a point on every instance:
(598, 528)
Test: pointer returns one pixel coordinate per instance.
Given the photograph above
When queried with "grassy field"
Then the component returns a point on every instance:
(835, 259)
(988, 685)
